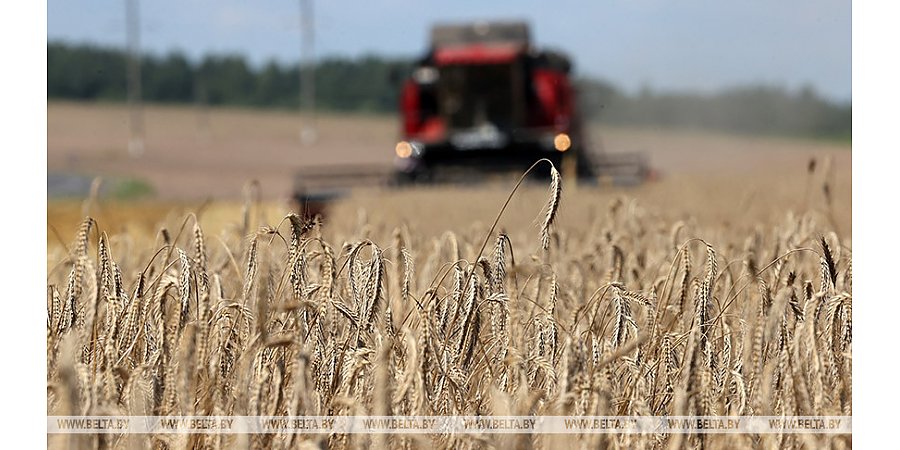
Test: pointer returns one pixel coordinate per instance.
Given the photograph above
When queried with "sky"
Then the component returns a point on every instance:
(695, 45)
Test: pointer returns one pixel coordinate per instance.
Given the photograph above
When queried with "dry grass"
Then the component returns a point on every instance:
(579, 309)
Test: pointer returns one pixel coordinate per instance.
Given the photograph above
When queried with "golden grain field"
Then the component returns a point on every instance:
(442, 302)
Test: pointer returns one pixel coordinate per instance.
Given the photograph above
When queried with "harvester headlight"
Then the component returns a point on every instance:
(425, 75)
(403, 149)
(562, 142)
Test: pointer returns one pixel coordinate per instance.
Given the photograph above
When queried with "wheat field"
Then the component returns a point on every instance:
(624, 311)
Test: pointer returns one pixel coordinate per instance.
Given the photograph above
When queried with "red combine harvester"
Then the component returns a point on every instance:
(483, 99)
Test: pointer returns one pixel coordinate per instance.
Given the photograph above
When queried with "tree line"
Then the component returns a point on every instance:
(372, 84)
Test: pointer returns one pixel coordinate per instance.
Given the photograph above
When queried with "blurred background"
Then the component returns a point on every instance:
(185, 101)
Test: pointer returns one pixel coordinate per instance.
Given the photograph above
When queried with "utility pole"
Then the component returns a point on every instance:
(136, 115)
(201, 104)
(308, 132)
